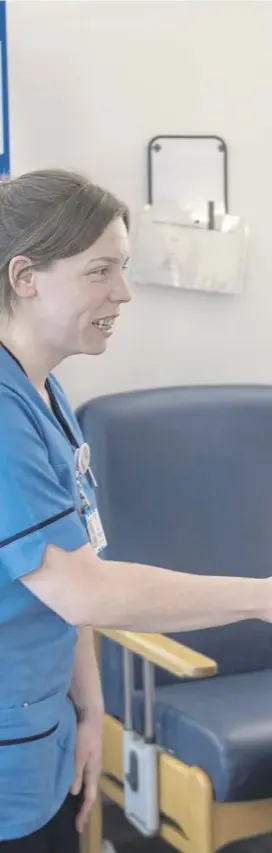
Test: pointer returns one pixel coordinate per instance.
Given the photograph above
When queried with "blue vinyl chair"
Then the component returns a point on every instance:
(185, 482)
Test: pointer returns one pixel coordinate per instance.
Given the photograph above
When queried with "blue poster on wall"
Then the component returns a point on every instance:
(4, 108)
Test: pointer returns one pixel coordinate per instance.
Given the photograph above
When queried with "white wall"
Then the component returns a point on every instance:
(90, 83)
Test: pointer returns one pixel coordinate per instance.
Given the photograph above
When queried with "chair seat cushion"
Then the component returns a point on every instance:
(224, 726)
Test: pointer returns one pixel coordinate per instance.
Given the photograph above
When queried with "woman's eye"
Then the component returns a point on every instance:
(101, 272)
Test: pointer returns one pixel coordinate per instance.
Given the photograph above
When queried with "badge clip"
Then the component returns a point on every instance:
(83, 462)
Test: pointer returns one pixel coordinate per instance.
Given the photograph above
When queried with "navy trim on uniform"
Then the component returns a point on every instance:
(13, 357)
(36, 527)
(43, 735)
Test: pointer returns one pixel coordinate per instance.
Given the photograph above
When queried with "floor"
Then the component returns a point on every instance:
(126, 839)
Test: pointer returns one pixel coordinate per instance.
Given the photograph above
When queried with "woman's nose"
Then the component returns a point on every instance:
(121, 291)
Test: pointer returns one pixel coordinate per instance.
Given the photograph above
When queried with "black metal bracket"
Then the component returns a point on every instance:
(154, 145)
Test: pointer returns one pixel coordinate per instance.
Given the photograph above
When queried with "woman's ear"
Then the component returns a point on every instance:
(22, 277)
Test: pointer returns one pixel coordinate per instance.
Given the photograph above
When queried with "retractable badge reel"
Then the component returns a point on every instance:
(91, 514)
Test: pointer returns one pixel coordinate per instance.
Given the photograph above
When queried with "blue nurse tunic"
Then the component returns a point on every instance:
(39, 504)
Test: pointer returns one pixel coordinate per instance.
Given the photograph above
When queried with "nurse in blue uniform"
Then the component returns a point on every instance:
(50, 698)
(63, 251)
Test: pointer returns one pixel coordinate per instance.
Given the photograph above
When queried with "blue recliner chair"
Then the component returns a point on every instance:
(185, 482)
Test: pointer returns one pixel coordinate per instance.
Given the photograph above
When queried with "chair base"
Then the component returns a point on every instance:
(192, 822)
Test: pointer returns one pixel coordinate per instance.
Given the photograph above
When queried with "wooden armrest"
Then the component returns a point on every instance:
(166, 653)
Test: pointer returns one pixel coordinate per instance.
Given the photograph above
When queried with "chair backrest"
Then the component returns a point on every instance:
(185, 482)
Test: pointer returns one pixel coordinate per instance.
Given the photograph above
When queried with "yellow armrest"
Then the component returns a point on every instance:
(166, 653)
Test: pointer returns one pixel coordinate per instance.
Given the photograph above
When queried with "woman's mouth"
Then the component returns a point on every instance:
(105, 324)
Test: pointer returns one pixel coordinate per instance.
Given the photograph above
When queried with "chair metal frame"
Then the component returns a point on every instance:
(191, 820)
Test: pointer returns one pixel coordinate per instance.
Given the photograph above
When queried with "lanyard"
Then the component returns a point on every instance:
(59, 416)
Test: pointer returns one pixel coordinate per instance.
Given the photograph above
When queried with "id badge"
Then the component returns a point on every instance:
(95, 531)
